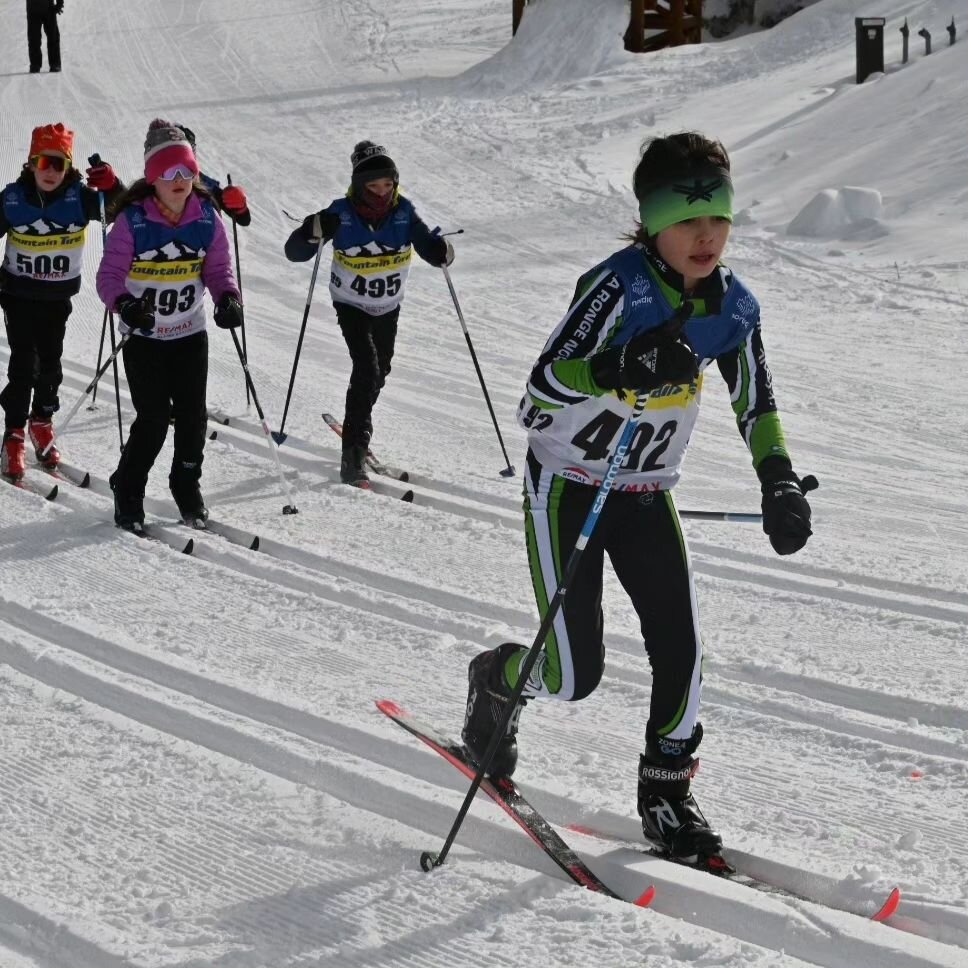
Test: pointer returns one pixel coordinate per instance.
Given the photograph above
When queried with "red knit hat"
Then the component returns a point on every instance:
(165, 147)
(52, 137)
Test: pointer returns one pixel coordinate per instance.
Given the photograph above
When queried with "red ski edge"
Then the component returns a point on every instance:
(886, 911)
(507, 796)
(889, 907)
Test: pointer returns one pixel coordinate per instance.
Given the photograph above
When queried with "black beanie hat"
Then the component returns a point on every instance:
(370, 162)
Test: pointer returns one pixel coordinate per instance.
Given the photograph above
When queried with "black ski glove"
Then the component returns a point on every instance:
(228, 312)
(649, 359)
(320, 227)
(786, 512)
(444, 255)
(136, 312)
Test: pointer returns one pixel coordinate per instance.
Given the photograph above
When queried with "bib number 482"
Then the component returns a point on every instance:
(647, 446)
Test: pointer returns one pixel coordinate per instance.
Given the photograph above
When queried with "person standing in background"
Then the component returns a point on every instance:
(42, 16)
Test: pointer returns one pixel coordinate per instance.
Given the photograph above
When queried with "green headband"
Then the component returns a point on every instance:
(708, 192)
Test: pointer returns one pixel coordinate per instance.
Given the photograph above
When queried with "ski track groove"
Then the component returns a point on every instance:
(722, 916)
(863, 592)
(760, 785)
(448, 609)
(816, 580)
(443, 618)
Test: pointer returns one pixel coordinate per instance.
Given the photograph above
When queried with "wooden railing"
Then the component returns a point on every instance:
(654, 24)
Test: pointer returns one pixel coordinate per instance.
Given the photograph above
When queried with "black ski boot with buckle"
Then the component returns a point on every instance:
(671, 819)
(487, 702)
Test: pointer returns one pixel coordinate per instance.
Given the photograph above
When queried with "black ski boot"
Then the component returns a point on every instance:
(352, 467)
(487, 699)
(671, 819)
(129, 505)
(188, 496)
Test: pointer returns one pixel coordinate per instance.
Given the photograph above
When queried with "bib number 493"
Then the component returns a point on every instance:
(647, 446)
(166, 302)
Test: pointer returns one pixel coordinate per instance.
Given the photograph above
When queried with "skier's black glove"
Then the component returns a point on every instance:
(319, 227)
(649, 359)
(136, 312)
(786, 512)
(444, 255)
(228, 312)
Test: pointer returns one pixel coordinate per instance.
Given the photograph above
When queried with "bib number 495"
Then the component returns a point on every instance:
(377, 288)
(647, 446)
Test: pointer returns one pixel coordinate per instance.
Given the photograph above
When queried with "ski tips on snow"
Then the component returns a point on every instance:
(507, 796)
(890, 906)
(25, 484)
(646, 897)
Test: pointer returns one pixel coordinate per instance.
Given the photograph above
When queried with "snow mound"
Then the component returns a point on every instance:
(557, 40)
(846, 212)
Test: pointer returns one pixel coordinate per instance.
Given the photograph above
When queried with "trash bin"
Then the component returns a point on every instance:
(870, 46)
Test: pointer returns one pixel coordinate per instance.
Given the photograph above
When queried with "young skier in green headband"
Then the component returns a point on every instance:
(649, 319)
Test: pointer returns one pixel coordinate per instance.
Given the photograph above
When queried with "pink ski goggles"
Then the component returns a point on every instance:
(177, 171)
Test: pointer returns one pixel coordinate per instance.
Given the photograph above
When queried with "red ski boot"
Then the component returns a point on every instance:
(12, 454)
(42, 437)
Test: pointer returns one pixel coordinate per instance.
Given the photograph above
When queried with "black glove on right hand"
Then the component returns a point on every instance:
(650, 359)
(786, 512)
(136, 312)
(320, 227)
(228, 312)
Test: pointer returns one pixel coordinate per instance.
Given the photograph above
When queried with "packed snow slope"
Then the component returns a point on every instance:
(192, 770)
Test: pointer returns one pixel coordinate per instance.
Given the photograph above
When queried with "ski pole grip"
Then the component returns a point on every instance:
(94, 160)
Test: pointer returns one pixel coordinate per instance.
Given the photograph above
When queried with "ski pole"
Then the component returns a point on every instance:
(100, 353)
(429, 860)
(77, 406)
(289, 508)
(280, 436)
(93, 161)
(238, 282)
(509, 470)
(734, 517)
(807, 483)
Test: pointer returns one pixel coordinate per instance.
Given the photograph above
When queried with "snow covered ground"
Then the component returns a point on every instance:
(192, 770)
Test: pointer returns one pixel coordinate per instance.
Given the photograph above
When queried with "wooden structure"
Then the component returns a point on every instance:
(653, 24)
(517, 11)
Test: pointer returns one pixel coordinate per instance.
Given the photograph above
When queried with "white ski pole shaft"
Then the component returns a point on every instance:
(77, 404)
(290, 507)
